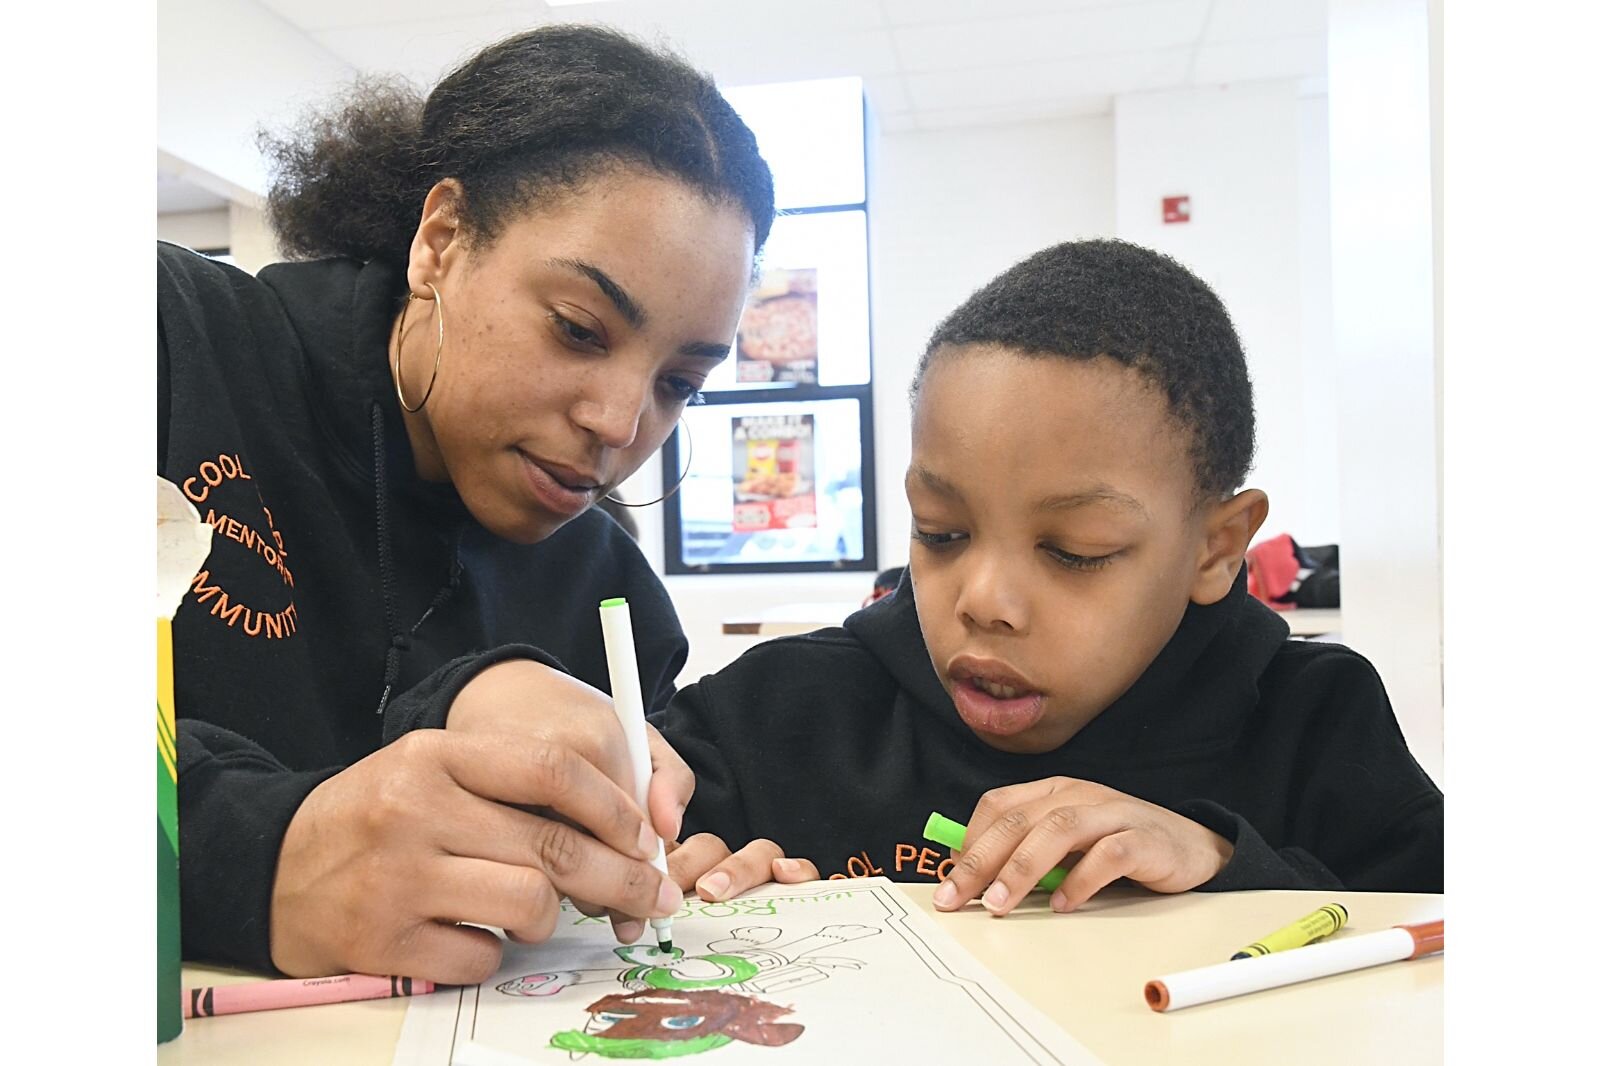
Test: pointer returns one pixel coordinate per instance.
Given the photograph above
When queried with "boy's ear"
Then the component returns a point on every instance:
(1229, 528)
(438, 236)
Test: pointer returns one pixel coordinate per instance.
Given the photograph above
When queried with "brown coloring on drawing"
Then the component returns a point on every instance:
(646, 1016)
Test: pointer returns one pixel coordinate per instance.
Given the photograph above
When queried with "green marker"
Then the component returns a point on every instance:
(1322, 922)
(942, 830)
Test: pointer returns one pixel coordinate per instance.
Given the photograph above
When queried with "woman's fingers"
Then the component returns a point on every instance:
(519, 899)
(594, 876)
(537, 773)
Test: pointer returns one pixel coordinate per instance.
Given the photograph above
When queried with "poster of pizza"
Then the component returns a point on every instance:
(778, 333)
(774, 473)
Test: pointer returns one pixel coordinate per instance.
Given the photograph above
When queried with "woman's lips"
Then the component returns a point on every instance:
(552, 492)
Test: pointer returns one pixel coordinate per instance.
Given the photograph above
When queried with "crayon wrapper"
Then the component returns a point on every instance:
(182, 543)
(169, 942)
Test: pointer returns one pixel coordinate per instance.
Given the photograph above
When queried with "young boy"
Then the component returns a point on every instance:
(1072, 661)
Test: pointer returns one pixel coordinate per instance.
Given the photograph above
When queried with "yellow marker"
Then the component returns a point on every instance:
(1322, 922)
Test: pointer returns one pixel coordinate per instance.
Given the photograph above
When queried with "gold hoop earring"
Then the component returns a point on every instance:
(400, 333)
(677, 484)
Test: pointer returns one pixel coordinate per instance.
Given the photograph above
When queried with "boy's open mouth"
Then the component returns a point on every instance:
(992, 698)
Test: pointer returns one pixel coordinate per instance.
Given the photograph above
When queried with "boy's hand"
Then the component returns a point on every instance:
(704, 863)
(1019, 832)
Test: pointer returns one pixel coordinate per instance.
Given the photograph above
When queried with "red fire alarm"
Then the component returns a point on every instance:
(1174, 209)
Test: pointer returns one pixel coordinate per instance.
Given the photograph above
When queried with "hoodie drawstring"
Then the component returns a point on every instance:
(398, 641)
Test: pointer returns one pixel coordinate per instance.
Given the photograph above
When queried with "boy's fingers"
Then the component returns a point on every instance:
(671, 786)
(1056, 833)
(982, 858)
(794, 871)
(996, 802)
(746, 868)
(695, 857)
(1111, 857)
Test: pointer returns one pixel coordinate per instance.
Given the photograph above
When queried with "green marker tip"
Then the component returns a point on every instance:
(615, 601)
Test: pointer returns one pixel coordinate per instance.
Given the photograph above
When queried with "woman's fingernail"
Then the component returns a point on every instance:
(787, 866)
(944, 897)
(996, 897)
(677, 826)
(647, 840)
(670, 899)
(712, 886)
(628, 931)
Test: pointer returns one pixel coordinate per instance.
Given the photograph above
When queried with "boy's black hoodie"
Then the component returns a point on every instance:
(838, 744)
(345, 601)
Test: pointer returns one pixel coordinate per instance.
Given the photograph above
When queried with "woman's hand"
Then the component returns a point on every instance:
(526, 698)
(521, 697)
(1019, 832)
(383, 860)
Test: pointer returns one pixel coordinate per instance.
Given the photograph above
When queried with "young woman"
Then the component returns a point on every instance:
(388, 669)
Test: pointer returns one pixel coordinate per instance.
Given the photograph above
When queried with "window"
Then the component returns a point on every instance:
(779, 457)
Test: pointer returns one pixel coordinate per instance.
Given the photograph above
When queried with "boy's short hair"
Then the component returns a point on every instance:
(1083, 299)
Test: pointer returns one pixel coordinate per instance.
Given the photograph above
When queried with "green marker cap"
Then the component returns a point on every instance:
(950, 833)
(615, 601)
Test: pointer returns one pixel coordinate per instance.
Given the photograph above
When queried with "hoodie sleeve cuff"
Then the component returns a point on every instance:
(235, 802)
(1255, 864)
(427, 704)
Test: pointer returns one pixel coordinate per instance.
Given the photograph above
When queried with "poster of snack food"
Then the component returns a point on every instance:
(778, 333)
(774, 473)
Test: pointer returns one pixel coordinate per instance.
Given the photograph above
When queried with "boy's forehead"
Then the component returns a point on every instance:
(1055, 426)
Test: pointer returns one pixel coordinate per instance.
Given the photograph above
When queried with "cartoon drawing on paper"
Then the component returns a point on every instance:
(686, 1004)
(817, 972)
(741, 962)
(668, 1025)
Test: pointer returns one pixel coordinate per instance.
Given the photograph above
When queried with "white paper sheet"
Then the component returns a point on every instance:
(826, 972)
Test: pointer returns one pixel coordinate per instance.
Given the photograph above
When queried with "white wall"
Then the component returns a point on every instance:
(1380, 119)
(1258, 237)
(950, 209)
(195, 229)
(227, 66)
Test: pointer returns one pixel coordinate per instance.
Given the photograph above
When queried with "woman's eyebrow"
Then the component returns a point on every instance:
(625, 304)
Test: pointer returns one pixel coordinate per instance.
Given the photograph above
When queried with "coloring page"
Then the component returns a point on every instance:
(829, 971)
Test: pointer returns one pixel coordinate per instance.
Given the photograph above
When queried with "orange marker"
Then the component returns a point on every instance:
(1237, 977)
(296, 992)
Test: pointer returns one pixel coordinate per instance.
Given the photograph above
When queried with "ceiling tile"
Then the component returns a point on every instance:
(1289, 57)
(339, 14)
(900, 122)
(919, 12)
(1254, 20)
(1051, 37)
(1074, 107)
(1087, 76)
(887, 94)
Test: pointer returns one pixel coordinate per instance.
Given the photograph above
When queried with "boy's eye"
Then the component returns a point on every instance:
(579, 336)
(936, 540)
(1079, 562)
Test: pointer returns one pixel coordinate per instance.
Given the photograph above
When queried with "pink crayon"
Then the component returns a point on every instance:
(296, 992)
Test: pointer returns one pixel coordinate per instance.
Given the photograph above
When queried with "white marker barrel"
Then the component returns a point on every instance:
(616, 627)
(1238, 977)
